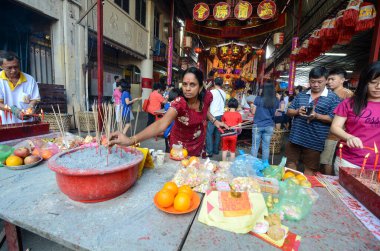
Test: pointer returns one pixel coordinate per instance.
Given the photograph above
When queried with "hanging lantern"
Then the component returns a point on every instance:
(304, 50)
(331, 36)
(339, 20)
(187, 42)
(197, 50)
(213, 50)
(201, 12)
(278, 39)
(260, 52)
(315, 45)
(266, 9)
(367, 17)
(351, 14)
(324, 28)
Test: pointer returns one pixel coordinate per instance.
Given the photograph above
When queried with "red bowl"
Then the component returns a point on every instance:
(92, 185)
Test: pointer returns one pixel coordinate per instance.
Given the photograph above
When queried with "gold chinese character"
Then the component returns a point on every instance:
(243, 10)
(267, 10)
(235, 50)
(224, 50)
(221, 11)
(213, 50)
(201, 11)
(247, 49)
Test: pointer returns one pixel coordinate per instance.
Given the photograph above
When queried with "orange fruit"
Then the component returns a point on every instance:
(184, 153)
(14, 161)
(46, 154)
(35, 152)
(165, 198)
(182, 202)
(171, 186)
(288, 175)
(185, 162)
(193, 158)
(187, 190)
(301, 177)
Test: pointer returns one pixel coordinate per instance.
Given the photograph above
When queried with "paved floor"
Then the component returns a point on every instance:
(32, 241)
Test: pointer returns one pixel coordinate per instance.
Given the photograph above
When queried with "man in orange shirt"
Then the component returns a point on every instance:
(155, 101)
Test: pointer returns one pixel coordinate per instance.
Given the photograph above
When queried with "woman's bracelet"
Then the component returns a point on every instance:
(213, 120)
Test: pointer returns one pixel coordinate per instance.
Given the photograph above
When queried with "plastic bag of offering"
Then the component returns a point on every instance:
(45, 150)
(275, 172)
(245, 184)
(294, 201)
(246, 165)
(68, 141)
(178, 152)
(5, 151)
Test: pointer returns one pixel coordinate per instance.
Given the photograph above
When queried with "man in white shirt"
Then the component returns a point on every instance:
(18, 90)
(217, 110)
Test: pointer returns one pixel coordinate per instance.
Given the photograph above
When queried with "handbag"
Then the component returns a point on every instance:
(145, 105)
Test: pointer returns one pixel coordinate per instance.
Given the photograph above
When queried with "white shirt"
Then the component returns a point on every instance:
(25, 91)
(324, 93)
(218, 102)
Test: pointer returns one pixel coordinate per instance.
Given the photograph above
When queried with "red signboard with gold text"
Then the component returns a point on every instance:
(243, 10)
(201, 11)
(266, 9)
(221, 11)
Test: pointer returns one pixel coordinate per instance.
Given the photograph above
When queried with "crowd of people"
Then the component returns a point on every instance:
(318, 118)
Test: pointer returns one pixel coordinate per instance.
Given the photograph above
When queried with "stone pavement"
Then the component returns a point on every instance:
(32, 241)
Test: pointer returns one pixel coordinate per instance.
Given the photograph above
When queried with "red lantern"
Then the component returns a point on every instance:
(351, 14)
(324, 28)
(367, 17)
(197, 50)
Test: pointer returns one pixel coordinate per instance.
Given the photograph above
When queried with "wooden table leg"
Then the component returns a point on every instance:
(13, 237)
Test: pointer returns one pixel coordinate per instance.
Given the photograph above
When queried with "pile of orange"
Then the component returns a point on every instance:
(172, 195)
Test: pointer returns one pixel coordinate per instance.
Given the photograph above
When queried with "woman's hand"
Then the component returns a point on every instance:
(118, 138)
(220, 124)
(354, 142)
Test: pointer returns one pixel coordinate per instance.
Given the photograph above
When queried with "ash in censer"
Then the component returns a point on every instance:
(92, 158)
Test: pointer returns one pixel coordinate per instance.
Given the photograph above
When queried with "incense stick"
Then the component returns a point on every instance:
(56, 119)
(137, 118)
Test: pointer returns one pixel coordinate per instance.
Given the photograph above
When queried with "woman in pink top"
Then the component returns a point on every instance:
(117, 97)
(155, 101)
(357, 121)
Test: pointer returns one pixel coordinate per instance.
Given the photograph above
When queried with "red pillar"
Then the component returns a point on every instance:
(374, 56)
(170, 46)
(100, 59)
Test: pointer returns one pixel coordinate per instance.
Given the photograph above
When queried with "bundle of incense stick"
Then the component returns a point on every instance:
(330, 188)
(95, 114)
(59, 122)
(137, 119)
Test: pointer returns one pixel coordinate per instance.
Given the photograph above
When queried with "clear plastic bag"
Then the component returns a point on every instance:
(295, 201)
(275, 172)
(5, 151)
(246, 165)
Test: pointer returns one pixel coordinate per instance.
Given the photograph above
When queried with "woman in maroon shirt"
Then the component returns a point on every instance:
(189, 112)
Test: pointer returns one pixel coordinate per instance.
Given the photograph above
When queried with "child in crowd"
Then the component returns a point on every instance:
(173, 94)
(232, 118)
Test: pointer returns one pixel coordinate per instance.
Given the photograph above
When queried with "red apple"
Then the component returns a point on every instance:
(22, 152)
(31, 159)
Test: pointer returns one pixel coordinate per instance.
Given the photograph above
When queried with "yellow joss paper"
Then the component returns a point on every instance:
(147, 160)
(227, 211)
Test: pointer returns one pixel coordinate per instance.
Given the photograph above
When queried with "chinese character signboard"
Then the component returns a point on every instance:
(201, 11)
(221, 11)
(243, 10)
(266, 9)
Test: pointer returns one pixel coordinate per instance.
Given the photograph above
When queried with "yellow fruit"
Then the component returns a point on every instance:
(14, 161)
(186, 189)
(185, 162)
(193, 158)
(182, 202)
(165, 198)
(184, 152)
(305, 183)
(288, 175)
(171, 186)
(301, 177)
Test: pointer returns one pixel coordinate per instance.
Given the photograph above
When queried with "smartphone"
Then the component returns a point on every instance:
(308, 110)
